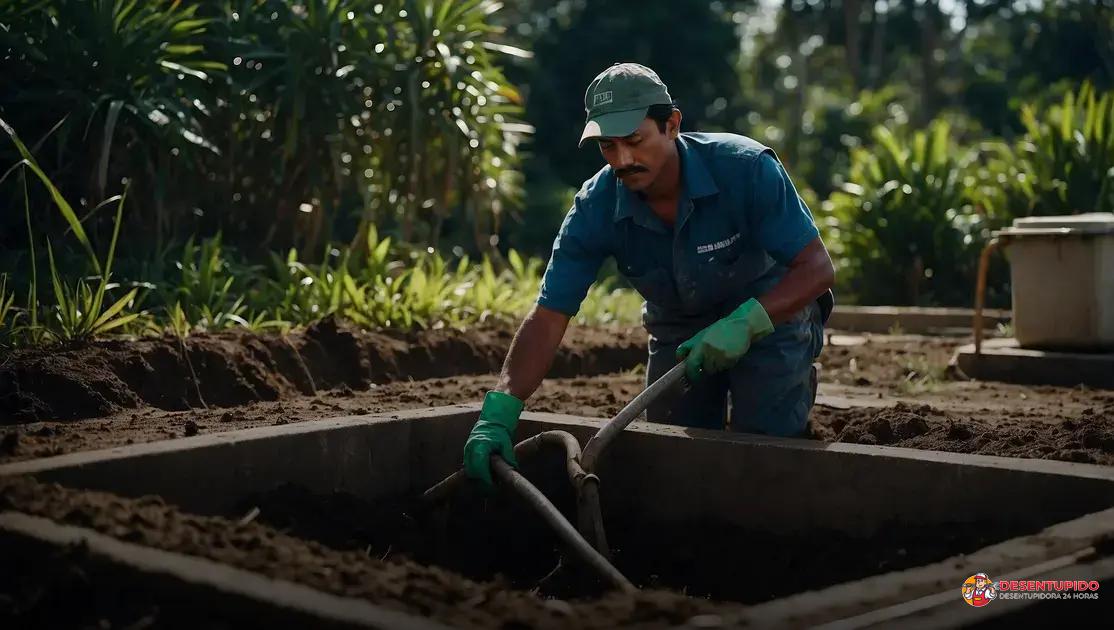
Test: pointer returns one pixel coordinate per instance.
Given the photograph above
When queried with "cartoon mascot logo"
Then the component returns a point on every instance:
(979, 590)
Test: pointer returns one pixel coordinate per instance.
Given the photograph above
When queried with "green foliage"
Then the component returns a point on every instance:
(320, 119)
(302, 293)
(79, 309)
(899, 226)
(128, 79)
(386, 285)
(348, 145)
(1064, 164)
(63, 206)
(1068, 154)
(176, 321)
(8, 316)
(605, 304)
(908, 226)
(921, 376)
(204, 287)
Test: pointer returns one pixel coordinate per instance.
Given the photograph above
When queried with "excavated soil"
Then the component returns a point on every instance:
(396, 583)
(236, 368)
(896, 391)
(1086, 438)
(500, 538)
(413, 562)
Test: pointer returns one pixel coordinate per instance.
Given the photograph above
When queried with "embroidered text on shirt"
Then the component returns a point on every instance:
(711, 247)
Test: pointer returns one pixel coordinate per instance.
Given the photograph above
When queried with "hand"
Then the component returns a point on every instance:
(721, 345)
(492, 434)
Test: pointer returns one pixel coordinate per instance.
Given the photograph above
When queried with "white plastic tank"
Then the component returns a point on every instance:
(1062, 272)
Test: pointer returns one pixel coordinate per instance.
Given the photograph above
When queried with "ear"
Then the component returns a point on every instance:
(673, 125)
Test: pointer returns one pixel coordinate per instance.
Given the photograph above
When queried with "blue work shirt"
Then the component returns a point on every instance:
(739, 223)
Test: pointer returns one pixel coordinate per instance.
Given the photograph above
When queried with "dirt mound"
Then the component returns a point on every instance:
(401, 584)
(1088, 438)
(235, 368)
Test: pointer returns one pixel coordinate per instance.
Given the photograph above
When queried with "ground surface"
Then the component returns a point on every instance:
(880, 389)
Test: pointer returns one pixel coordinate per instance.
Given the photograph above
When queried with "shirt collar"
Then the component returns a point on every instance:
(697, 182)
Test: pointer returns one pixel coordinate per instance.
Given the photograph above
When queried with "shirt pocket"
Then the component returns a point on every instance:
(730, 273)
(655, 285)
(727, 255)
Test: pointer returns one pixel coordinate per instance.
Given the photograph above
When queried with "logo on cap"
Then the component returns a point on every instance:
(602, 98)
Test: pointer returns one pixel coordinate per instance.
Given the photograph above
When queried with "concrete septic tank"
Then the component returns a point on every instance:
(800, 533)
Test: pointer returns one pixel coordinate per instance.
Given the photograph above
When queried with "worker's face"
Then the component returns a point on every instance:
(638, 159)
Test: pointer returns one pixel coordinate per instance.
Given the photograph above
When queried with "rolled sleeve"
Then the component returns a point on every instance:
(578, 252)
(780, 218)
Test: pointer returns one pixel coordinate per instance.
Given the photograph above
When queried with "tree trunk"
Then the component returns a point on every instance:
(852, 10)
(929, 41)
(877, 41)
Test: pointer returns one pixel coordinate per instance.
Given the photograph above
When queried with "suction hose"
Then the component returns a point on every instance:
(579, 467)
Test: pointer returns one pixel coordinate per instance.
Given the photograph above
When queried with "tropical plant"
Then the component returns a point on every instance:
(280, 124)
(129, 81)
(447, 115)
(410, 123)
(204, 286)
(900, 231)
(1067, 155)
(302, 293)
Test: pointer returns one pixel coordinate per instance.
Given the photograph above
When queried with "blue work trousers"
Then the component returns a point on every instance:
(770, 391)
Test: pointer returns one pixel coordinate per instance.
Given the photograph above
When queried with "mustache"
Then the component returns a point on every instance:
(630, 170)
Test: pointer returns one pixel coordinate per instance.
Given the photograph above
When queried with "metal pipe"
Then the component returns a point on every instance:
(564, 529)
(980, 289)
(615, 426)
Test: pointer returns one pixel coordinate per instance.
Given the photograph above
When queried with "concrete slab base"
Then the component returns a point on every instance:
(909, 319)
(1003, 360)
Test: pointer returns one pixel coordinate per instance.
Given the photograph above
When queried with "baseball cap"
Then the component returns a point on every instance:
(617, 100)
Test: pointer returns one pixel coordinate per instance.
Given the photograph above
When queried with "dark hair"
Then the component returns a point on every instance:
(660, 113)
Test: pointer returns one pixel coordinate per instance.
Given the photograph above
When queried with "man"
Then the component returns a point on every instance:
(981, 592)
(709, 229)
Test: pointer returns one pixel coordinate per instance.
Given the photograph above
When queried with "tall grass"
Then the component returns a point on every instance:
(79, 309)
(7, 313)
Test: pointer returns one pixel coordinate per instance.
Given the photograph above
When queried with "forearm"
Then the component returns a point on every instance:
(532, 351)
(810, 274)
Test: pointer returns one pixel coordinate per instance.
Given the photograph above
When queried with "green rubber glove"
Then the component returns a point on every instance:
(721, 345)
(492, 434)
